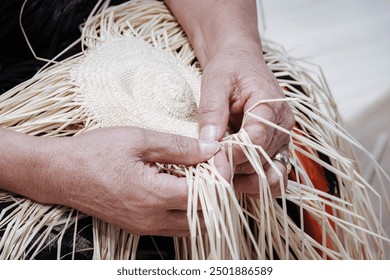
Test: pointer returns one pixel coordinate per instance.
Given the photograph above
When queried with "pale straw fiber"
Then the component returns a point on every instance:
(137, 68)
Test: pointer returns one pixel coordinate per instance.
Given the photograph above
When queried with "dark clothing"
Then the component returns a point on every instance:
(51, 26)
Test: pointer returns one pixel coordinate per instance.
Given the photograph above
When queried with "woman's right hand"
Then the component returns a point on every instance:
(110, 173)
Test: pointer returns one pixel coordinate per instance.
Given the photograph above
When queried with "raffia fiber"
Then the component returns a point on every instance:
(59, 102)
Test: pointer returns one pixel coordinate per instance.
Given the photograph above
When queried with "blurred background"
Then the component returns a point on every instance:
(350, 41)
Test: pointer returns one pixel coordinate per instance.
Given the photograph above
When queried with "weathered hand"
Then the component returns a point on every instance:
(110, 173)
(234, 80)
(226, 40)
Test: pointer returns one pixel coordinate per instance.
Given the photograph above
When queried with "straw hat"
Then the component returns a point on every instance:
(138, 68)
(128, 82)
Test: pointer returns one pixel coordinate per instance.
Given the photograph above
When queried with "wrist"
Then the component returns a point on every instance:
(23, 162)
(207, 46)
(217, 25)
(236, 44)
(34, 167)
(50, 172)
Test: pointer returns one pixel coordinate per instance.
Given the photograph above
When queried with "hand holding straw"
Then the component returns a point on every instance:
(324, 212)
(235, 77)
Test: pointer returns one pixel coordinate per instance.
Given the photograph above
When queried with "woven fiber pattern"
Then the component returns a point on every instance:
(137, 68)
(127, 82)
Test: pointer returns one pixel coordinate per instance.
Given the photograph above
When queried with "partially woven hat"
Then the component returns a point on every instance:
(129, 82)
(137, 68)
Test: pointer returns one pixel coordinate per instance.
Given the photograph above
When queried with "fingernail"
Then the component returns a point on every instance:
(208, 147)
(209, 132)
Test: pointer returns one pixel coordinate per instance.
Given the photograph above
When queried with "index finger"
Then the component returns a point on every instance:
(259, 133)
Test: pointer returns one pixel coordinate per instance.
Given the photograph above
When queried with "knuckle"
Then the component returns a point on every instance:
(141, 141)
(287, 118)
(290, 120)
(283, 142)
(273, 181)
(245, 168)
(259, 135)
(211, 107)
(183, 146)
(274, 178)
(277, 181)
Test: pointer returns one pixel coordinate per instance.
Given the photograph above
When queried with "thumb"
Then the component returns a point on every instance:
(213, 112)
(170, 148)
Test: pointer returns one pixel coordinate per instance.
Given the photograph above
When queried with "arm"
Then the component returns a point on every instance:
(107, 173)
(22, 163)
(215, 25)
(226, 40)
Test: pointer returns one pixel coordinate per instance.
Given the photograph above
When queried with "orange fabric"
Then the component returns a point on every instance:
(317, 176)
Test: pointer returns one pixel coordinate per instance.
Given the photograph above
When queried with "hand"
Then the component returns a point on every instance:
(110, 174)
(227, 44)
(234, 80)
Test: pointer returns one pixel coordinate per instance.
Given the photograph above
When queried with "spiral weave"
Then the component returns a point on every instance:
(128, 82)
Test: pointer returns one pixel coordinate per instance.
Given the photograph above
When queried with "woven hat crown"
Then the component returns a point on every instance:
(128, 82)
(120, 79)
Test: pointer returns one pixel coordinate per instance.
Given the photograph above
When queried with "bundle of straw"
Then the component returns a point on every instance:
(328, 218)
